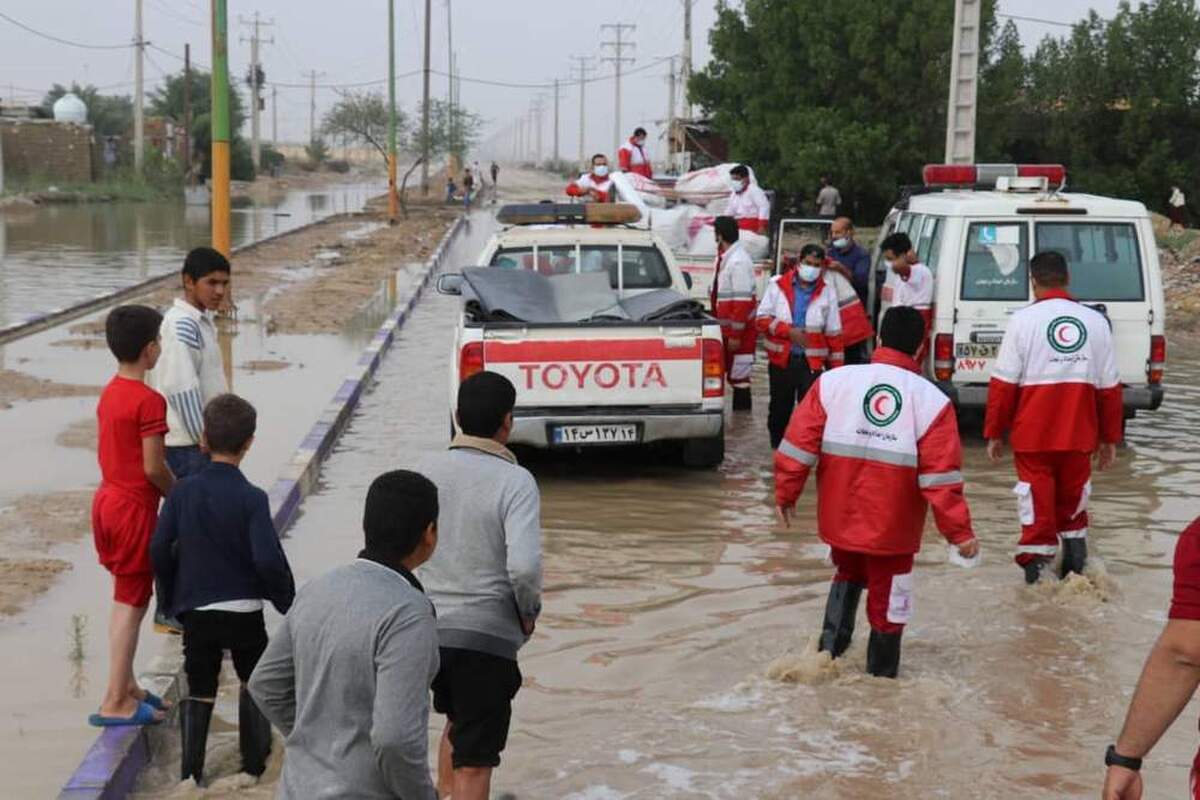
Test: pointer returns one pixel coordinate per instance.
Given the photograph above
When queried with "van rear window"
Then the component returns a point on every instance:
(996, 264)
(1104, 258)
(641, 267)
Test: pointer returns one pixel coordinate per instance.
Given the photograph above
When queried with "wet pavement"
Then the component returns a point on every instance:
(55, 255)
(671, 594)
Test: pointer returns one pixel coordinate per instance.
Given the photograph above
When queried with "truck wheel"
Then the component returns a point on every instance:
(704, 453)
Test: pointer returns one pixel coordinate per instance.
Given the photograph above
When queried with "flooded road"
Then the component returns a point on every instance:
(671, 596)
(56, 255)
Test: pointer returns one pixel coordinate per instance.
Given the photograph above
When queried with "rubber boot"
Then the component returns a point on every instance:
(1034, 569)
(883, 654)
(254, 735)
(840, 610)
(194, 716)
(741, 398)
(1074, 556)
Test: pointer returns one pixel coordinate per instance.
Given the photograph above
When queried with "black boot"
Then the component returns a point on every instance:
(1074, 556)
(1034, 568)
(254, 735)
(883, 654)
(741, 399)
(840, 610)
(194, 716)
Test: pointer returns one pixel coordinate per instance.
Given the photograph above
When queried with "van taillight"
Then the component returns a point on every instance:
(943, 356)
(470, 360)
(1158, 359)
(714, 368)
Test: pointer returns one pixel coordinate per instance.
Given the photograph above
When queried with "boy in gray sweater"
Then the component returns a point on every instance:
(485, 581)
(346, 676)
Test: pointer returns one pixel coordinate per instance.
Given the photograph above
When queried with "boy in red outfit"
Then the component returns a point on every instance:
(132, 421)
(886, 447)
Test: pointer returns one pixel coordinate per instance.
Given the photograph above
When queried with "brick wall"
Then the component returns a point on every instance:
(45, 148)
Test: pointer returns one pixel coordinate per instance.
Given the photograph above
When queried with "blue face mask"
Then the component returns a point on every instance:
(808, 273)
(600, 170)
(841, 243)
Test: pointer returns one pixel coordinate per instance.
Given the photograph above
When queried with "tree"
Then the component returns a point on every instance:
(167, 101)
(454, 133)
(110, 115)
(363, 118)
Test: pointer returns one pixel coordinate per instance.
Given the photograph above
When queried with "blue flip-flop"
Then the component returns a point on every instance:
(145, 715)
(153, 700)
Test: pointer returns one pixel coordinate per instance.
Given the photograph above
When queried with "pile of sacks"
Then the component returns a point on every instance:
(701, 196)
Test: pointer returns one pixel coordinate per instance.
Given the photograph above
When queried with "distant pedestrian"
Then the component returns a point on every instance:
(1178, 208)
(468, 188)
(346, 676)
(132, 421)
(495, 174)
(885, 444)
(828, 199)
(1169, 680)
(1056, 392)
(485, 581)
(451, 189)
(632, 155)
(217, 557)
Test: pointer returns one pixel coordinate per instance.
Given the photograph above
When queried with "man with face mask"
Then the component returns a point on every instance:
(850, 264)
(596, 185)
(748, 203)
(799, 317)
(632, 156)
(733, 305)
(915, 285)
(853, 261)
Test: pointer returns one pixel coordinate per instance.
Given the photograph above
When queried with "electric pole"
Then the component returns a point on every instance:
(275, 116)
(255, 81)
(139, 124)
(450, 164)
(187, 112)
(393, 198)
(425, 112)
(312, 104)
(670, 105)
(219, 91)
(556, 123)
(685, 74)
(618, 59)
(582, 66)
(535, 110)
(964, 79)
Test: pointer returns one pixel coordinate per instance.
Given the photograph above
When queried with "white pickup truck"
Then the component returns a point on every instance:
(594, 327)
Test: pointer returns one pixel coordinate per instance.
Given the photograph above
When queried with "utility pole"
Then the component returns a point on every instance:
(582, 66)
(618, 59)
(536, 108)
(187, 112)
(556, 123)
(393, 198)
(964, 79)
(275, 116)
(450, 164)
(670, 107)
(255, 86)
(312, 104)
(685, 74)
(425, 112)
(219, 92)
(139, 123)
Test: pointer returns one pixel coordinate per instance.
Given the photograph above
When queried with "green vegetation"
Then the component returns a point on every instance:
(362, 118)
(450, 132)
(162, 178)
(167, 101)
(857, 90)
(110, 115)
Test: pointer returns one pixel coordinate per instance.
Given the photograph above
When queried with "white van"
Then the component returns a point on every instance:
(977, 226)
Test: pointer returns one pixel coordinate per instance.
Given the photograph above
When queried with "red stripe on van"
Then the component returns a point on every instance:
(588, 350)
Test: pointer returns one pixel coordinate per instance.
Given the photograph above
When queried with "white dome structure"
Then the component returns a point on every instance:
(69, 108)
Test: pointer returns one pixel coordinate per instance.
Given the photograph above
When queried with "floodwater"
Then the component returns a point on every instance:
(56, 255)
(671, 594)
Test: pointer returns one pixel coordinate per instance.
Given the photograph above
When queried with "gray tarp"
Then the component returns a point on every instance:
(528, 296)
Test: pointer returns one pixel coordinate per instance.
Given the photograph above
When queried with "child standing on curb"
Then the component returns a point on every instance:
(132, 421)
(217, 557)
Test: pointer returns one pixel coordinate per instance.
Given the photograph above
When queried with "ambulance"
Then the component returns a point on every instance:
(976, 228)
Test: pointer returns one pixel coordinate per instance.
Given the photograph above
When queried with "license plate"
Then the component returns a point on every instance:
(595, 434)
(971, 350)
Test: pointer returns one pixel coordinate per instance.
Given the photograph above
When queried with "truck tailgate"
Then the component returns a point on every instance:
(599, 366)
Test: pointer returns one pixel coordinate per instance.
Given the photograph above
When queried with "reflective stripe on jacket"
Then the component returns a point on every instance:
(856, 325)
(823, 344)
(733, 298)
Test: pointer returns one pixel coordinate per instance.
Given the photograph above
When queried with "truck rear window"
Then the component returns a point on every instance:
(641, 267)
(1104, 258)
(996, 264)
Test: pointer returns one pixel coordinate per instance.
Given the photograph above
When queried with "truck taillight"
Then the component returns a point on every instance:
(470, 360)
(1158, 359)
(714, 368)
(943, 356)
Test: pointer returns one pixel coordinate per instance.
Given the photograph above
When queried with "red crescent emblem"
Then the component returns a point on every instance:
(875, 405)
(1058, 334)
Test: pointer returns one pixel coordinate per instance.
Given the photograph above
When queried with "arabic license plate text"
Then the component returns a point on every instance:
(972, 350)
(595, 434)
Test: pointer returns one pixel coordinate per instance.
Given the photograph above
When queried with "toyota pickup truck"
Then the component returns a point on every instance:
(593, 325)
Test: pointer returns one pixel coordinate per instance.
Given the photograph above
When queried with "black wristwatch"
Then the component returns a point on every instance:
(1114, 759)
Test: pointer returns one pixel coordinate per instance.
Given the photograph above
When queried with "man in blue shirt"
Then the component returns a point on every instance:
(854, 263)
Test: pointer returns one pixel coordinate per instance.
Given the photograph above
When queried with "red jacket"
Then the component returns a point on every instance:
(733, 298)
(580, 186)
(822, 324)
(1055, 382)
(633, 158)
(885, 444)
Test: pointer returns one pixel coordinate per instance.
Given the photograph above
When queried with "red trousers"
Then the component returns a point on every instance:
(1052, 497)
(888, 580)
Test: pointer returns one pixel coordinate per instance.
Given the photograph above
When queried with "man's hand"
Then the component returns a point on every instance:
(784, 513)
(1122, 784)
(995, 450)
(1106, 455)
(969, 548)
(527, 625)
(840, 269)
(796, 335)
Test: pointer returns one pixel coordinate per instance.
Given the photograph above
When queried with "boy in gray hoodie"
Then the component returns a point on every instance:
(485, 580)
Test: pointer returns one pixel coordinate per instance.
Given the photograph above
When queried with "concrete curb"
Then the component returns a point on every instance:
(110, 768)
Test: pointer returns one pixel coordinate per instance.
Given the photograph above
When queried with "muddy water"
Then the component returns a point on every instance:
(53, 256)
(671, 594)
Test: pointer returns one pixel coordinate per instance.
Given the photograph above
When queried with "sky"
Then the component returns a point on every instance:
(503, 41)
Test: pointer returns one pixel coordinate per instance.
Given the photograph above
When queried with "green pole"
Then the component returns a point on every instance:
(220, 129)
(393, 198)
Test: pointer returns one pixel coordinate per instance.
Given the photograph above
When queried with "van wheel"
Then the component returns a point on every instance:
(704, 453)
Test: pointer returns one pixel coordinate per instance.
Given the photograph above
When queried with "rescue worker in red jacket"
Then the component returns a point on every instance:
(748, 203)
(595, 186)
(733, 305)
(1056, 391)
(632, 156)
(802, 329)
(885, 444)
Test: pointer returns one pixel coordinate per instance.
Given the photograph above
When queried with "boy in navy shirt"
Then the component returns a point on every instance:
(217, 557)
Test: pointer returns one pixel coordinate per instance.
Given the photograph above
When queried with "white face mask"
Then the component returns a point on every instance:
(600, 170)
(809, 273)
(737, 184)
(639, 141)
(889, 264)
(842, 242)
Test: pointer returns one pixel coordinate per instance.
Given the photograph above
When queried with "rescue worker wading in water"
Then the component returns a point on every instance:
(801, 323)
(594, 186)
(885, 444)
(733, 305)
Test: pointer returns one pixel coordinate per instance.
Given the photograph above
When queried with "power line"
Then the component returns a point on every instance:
(53, 38)
(1038, 20)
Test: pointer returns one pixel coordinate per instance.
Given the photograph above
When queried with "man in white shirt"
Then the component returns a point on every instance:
(595, 186)
(748, 203)
(828, 199)
(914, 286)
